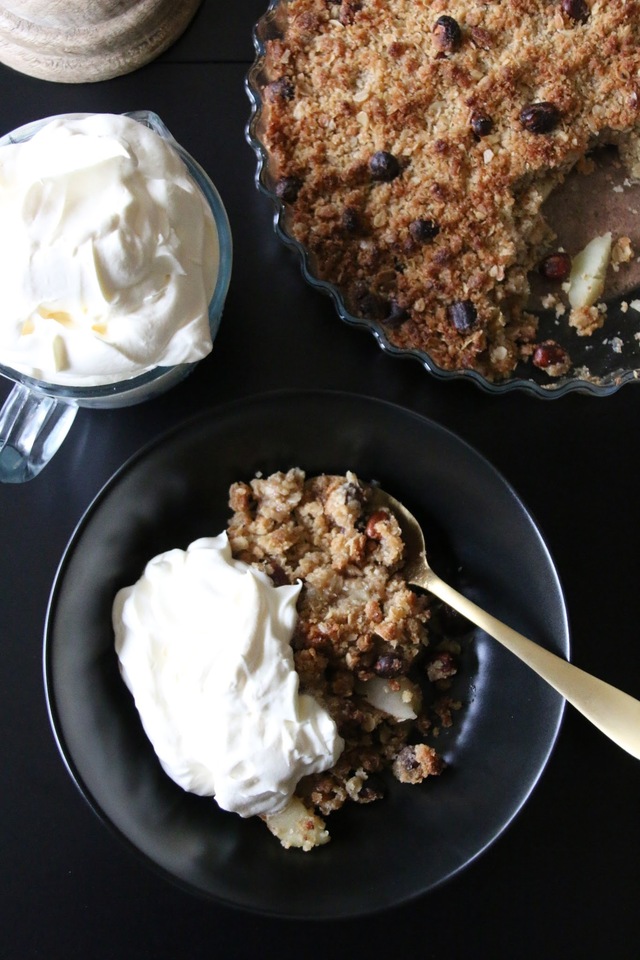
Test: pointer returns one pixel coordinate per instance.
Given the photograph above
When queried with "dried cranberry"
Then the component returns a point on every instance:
(576, 10)
(556, 266)
(388, 666)
(550, 356)
(481, 124)
(288, 188)
(281, 89)
(351, 220)
(423, 230)
(540, 117)
(463, 315)
(447, 34)
(384, 166)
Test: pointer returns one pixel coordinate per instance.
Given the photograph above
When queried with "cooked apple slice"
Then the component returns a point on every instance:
(400, 698)
(296, 826)
(588, 272)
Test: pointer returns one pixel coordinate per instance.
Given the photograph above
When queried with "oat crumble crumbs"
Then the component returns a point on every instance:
(375, 652)
(621, 252)
(414, 157)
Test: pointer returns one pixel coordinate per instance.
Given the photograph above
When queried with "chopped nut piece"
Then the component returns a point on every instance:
(481, 38)
(621, 252)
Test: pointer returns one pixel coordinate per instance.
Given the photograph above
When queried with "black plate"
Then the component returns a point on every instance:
(175, 491)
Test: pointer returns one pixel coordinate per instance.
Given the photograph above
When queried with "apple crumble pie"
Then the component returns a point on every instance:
(413, 145)
(361, 643)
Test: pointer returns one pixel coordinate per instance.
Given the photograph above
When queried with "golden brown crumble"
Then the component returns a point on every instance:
(360, 644)
(414, 144)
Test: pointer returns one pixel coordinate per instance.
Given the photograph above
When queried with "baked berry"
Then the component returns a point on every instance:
(463, 315)
(288, 188)
(423, 230)
(351, 220)
(576, 10)
(481, 124)
(556, 266)
(384, 166)
(540, 117)
(281, 89)
(388, 666)
(552, 358)
(447, 34)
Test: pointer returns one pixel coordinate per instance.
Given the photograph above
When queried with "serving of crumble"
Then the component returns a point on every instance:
(364, 644)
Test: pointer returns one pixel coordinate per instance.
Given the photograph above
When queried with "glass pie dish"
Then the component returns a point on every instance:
(601, 363)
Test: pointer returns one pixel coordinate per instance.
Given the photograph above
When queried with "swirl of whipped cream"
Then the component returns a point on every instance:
(108, 253)
(203, 642)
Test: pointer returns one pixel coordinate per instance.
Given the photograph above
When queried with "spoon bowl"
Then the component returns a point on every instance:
(614, 713)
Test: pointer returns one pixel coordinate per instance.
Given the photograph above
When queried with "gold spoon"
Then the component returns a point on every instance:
(613, 712)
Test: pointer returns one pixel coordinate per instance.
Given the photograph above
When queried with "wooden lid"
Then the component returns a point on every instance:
(79, 41)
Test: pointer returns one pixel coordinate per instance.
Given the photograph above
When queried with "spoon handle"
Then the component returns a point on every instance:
(613, 712)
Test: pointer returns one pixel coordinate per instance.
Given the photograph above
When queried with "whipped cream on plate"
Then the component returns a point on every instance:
(108, 253)
(203, 642)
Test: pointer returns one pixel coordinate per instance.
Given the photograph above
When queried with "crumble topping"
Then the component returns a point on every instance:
(362, 641)
(414, 144)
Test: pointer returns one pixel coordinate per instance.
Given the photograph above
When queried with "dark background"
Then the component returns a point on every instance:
(562, 881)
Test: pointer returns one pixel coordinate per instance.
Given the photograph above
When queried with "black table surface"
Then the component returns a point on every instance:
(563, 879)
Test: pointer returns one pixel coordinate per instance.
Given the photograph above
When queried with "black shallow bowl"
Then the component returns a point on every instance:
(174, 491)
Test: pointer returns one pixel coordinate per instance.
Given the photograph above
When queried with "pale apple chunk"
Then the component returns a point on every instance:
(296, 826)
(400, 698)
(588, 272)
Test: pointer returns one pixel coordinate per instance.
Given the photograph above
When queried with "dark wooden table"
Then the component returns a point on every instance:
(563, 880)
